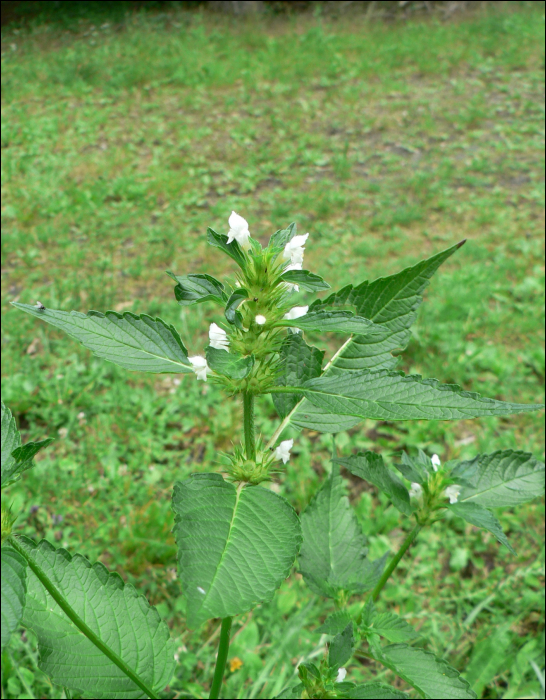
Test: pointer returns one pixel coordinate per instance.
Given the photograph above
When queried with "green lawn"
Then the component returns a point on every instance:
(123, 141)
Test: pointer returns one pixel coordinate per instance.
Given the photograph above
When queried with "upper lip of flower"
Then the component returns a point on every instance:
(218, 337)
(294, 249)
(238, 230)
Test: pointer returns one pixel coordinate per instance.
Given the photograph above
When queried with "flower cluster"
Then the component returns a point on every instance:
(417, 492)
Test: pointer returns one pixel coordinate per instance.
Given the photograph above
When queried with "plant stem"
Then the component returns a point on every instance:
(223, 648)
(248, 423)
(395, 561)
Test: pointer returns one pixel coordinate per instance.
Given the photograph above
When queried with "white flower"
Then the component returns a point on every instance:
(238, 230)
(341, 675)
(283, 450)
(294, 249)
(218, 337)
(289, 285)
(260, 320)
(435, 462)
(452, 492)
(296, 312)
(200, 367)
(416, 491)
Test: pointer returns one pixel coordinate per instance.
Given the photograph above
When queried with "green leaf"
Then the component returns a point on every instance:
(333, 553)
(489, 658)
(13, 592)
(335, 623)
(479, 516)
(218, 240)
(195, 289)
(280, 238)
(371, 467)
(392, 627)
(232, 315)
(325, 320)
(412, 469)
(299, 362)
(392, 304)
(232, 366)
(385, 395)
(305, 279)
(375, 691)
(16, 459)
(96, 634)
(501, 479)
(138, 343)
(293, 693)
(235, 545)
(341, 647)
(429, 675)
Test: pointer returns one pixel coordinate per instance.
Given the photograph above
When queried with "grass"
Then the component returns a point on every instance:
(123, 142)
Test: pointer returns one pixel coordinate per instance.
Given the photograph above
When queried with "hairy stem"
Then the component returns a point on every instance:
(223, 648)
(248, 423)
(77, 621)
(395, 561)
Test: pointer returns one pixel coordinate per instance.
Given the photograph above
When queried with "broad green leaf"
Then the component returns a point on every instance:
(479, 516)
(138, 343)
(333, 553)
(195, 289)
(385, 395)
(13, 592)
(371, 467)
(335, 623)
(391, 303)
(16, 458)
(299, 362)
(305, 280)
(429, 675)
(234, 301)
(235, 545)
(341, 647)
(280, 238)
(392, 627)
(232, 366)
(325, 320)
(96, 634)
(501, 479)
(375, 691)
(218, 240)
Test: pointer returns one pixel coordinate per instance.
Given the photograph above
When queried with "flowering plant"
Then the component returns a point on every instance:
(237, 539)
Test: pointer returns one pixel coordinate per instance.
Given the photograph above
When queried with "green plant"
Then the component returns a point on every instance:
(237, 539)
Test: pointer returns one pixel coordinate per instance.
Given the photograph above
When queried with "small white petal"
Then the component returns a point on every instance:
(416, 491)
(200, 367)
(435, 462)
(238, 230)
(283, 450)
(260, 320)
(341, 675)
(290, 285)
(296, 312)
(294, 249)
(452, 492)
(218, 337)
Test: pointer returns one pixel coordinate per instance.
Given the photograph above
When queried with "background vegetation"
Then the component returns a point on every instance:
(124, 140)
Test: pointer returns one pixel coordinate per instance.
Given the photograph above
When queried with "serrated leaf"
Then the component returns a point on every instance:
(219, 240)
(138, 343)
(479, 516)
(429, 675)
(375, 691)
(235, 545)
(13, 592)
(371, 467)
(298, 363)
(233, 316)
(229, 365)
(280, 238)
(385, 395)
(335, 623)
(392, 627)
(333, 553)
(392, 304)
(501, 479)
(196, 289)
(124, 624)
(325, 320)
(341, 647)
(412, 469)
(305, 279)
